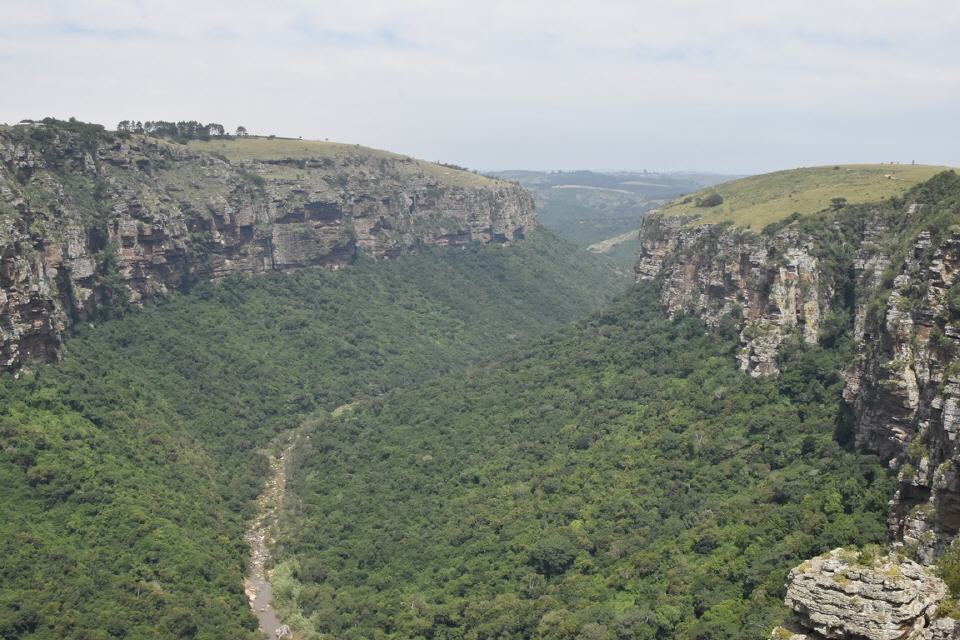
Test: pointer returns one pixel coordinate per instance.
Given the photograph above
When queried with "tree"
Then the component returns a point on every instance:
(553, 555)
(215, 129)
(241, 132)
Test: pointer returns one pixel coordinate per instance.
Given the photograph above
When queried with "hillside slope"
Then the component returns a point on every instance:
(128, 469)
(92, 222)
(618, 479)
(760, 200)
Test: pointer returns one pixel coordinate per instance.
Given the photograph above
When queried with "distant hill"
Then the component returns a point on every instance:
(601, 210)
(759, 200)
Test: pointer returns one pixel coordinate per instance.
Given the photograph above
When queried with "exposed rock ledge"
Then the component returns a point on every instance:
(841, 596)
(769, 284)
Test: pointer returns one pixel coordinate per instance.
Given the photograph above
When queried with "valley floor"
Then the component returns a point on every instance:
(131, 469)
(261, 535)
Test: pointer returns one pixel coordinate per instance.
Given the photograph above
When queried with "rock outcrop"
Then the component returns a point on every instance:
(92, 221)
(769, 285)
(904, 391)
(842, 595)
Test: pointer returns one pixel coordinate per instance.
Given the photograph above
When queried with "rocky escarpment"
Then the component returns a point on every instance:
(844, 595)
(891, 271)
(770, 285)
(904, 391)
(91, 222)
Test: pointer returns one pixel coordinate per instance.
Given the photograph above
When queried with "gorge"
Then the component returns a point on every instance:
(534, 448)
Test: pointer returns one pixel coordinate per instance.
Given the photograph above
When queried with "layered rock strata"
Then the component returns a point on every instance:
(904, 391)
(770, 285)
(843, 596)
(91, 221)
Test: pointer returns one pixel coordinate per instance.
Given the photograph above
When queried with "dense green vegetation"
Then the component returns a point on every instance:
(620, 479)
(617, 479)
(128, 469)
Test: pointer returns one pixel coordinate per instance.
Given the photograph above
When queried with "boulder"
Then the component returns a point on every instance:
(846, 595)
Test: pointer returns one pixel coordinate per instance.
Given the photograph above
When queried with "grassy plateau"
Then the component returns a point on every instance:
(759, 200)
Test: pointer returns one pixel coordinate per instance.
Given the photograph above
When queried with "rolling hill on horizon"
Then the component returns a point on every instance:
(758, 200)
(602, 208)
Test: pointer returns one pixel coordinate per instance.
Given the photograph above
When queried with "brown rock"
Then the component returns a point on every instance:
(891, 598)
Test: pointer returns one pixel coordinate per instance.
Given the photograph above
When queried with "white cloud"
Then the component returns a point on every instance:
(741, 85)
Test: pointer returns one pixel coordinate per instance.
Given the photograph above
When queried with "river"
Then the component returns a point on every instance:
(260, 536)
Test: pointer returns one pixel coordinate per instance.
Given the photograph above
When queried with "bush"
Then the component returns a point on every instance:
(949, 568)
(712, 200)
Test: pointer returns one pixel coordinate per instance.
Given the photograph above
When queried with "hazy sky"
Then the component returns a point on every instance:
(736, 86)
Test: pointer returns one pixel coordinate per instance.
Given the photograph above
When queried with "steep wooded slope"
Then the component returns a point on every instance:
(128, 468)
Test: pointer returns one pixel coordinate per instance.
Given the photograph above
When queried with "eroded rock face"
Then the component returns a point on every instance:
(837, 596)
(895, 267)
(905, 394)
(769, 285)
(902, 393)
(89, 221)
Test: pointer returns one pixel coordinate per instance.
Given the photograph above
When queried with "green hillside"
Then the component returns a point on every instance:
(129, 468)
(759, 200)
(619, 479)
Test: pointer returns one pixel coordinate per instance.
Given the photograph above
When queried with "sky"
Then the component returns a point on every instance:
(739, 86)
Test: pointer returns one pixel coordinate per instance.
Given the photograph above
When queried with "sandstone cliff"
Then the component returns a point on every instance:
(889, 273)
(890, 270)
(91, 222)
(768, 284)
(904, 392)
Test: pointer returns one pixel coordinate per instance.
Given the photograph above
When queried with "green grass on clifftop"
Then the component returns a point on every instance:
(255, 148)
(757, 201)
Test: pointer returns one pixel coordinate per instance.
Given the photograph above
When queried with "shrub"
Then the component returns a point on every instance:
(712, 200)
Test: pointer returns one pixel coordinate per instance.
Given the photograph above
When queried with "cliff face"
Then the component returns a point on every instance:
(769, 285)
(891, 271)
(905, 393)
(91, 222)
